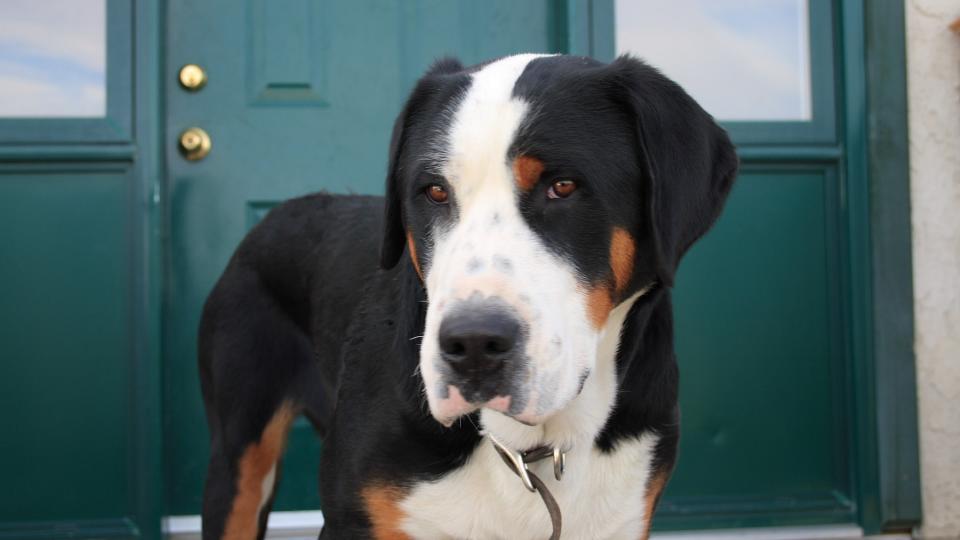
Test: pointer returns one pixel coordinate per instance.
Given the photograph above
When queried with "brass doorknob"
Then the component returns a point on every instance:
(195, 143)
(192, 77)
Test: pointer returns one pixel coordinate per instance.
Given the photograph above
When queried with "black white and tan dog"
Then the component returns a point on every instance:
(505, 320)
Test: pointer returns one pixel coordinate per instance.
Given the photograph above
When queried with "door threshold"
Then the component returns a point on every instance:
(281, 525)
(805, 532)
(307, 524)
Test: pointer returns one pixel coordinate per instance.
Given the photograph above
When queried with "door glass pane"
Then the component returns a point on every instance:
(53, 58)
(746, 60)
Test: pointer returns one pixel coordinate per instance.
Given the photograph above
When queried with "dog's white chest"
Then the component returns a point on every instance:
(601, 496)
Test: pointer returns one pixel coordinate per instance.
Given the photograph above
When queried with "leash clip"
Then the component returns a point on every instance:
(517, 461)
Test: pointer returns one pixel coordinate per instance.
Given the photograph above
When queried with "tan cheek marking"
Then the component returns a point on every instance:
(599, 305)
(412, 248)
(622, 251)
(526, 172)
(383, 509)
(600, 299)
(255, 464)
(655, 486)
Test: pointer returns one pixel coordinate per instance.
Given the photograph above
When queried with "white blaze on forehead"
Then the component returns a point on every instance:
(484, 126)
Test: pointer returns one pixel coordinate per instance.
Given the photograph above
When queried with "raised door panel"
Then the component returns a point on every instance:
(760, 345)
(65, 303)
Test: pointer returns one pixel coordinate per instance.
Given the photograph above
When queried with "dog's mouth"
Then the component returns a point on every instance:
(454, 405)
(450, 403)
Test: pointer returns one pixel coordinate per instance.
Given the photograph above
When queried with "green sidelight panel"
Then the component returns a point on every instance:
(64, 345)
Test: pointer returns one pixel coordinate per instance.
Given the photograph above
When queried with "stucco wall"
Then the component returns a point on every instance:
(934, 88)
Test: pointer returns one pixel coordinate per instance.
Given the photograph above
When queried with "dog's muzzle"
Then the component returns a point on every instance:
(481, 345)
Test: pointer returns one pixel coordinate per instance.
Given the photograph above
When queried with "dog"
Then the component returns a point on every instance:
(502, 367)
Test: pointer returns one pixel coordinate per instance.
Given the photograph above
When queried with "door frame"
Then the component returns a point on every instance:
(148, 206)
(873, 135)
(877, 131)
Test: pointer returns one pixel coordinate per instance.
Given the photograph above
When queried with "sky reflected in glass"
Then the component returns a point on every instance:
(745, 60)
(53, 58)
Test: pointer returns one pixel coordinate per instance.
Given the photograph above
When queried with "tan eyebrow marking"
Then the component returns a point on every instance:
(526, 172)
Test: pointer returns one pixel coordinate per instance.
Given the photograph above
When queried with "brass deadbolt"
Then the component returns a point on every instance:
(192, 77)
(195, 143)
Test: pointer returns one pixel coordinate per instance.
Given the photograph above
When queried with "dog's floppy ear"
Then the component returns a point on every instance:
(394, 234)
(687, 161)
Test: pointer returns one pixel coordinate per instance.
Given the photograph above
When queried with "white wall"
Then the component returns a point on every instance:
(934, 99)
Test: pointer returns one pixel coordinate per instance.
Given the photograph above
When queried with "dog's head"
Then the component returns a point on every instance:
(533, 195)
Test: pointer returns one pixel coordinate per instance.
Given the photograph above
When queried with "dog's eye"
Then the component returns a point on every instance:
(561, 189)
(437, 193)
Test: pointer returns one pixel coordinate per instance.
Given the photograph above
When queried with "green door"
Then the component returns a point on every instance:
(301, 96)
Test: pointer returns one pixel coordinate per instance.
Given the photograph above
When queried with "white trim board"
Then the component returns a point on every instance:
(809, 532)
(307, 525)
(285, 525)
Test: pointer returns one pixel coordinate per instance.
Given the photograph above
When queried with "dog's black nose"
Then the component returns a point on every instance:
(478, 342)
